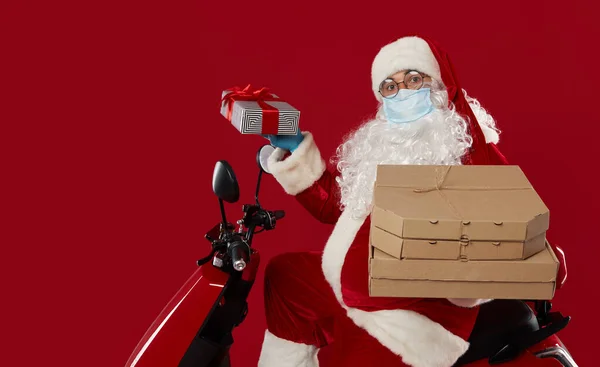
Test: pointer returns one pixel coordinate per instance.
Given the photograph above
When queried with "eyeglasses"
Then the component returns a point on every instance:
(412, 80)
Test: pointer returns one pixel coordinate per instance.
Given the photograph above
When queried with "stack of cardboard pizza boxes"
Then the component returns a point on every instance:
(459, 232)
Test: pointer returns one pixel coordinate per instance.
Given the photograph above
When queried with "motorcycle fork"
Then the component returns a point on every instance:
(210, 346)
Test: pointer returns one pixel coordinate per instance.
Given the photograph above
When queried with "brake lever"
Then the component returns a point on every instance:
(206, 259)
(215, 249)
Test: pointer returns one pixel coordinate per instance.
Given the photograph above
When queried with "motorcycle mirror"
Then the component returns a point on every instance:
(262, 157)
(225, 185)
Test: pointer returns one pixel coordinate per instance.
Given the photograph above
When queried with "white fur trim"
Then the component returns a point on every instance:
(468, 302)
(300, 170)
(419, 341)
(491, 135)
(277, 352)
(404, 53)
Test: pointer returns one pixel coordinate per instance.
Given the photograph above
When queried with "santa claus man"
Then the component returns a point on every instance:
(316, 299)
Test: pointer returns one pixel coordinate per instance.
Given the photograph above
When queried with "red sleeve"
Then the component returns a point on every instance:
(321, 199)
(305, 175)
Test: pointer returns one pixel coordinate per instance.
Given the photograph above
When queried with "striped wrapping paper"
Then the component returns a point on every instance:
(247, 116)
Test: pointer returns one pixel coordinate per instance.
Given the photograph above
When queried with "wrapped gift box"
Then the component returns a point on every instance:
(259, 112)
(531, 279)
(457, 213)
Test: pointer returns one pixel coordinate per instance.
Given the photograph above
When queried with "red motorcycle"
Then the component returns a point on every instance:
(195, 327)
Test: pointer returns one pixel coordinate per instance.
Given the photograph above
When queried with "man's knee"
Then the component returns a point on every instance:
(299, 303)
(278, 280)
(285, 269)
(277, 266)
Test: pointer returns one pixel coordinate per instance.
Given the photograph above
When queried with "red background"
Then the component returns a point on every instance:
(111, 130)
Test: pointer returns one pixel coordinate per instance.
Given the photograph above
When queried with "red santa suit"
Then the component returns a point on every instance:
(314, 299)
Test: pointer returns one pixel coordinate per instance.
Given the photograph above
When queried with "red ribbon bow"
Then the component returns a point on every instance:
(270, 115)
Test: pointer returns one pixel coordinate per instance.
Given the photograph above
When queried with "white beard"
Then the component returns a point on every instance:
(440, 138)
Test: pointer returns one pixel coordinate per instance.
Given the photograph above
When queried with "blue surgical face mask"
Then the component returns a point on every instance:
(408, 105)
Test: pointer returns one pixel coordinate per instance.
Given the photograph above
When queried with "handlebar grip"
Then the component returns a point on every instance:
(239, 253)
(279, 214)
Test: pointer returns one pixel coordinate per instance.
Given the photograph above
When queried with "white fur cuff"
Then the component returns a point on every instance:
(467, 302)
(420, 341)
(300, 170)
(277, 352)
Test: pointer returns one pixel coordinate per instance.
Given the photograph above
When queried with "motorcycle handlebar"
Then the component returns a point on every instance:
(239, 253)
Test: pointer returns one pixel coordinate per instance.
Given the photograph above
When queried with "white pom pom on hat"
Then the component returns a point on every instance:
(405, 53)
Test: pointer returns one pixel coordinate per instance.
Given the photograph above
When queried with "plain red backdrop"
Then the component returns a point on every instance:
(111, 129)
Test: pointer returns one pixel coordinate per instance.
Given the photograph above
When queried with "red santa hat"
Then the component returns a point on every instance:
(405, 53)
(424, 55)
